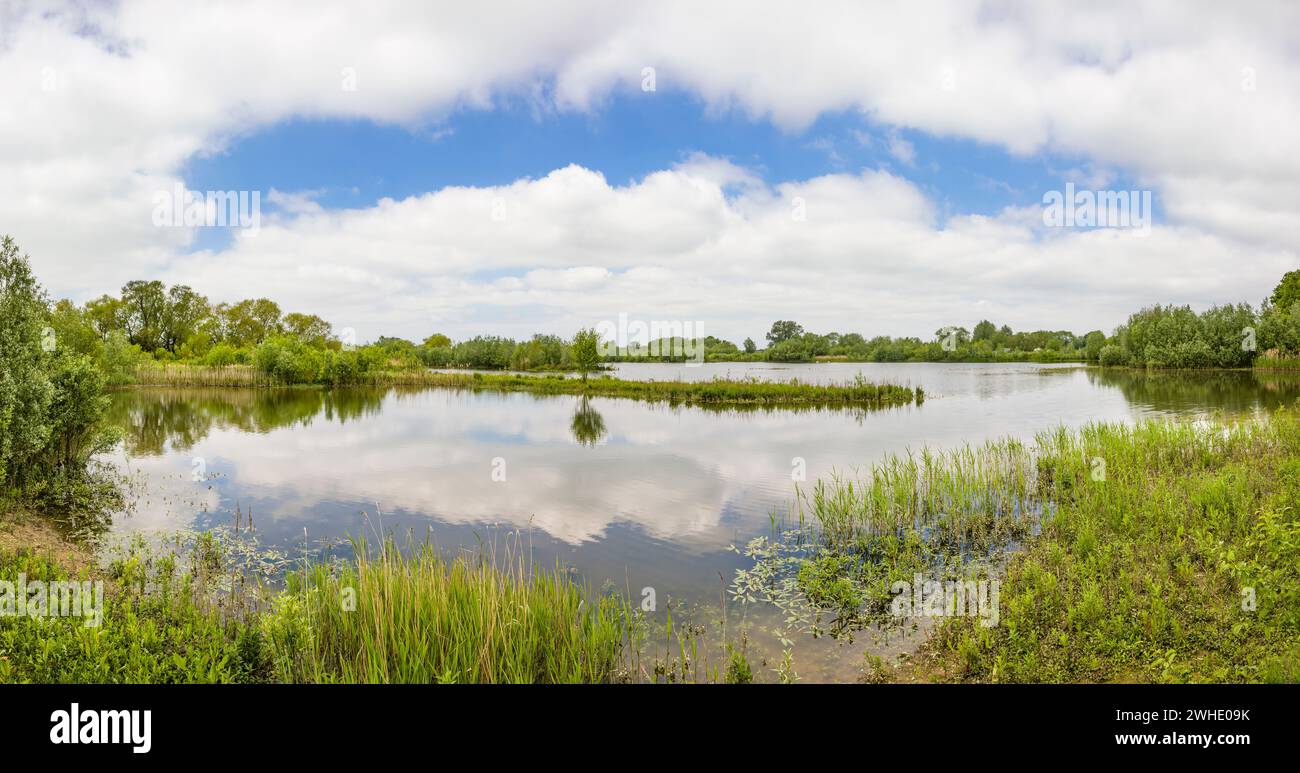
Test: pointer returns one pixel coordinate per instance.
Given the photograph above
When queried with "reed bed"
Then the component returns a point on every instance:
(1265, 362)
(174, 375)
(422, 618)
(956, 495)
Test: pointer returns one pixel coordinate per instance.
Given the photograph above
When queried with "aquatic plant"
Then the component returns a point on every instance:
(1161, 551)
(417, 616)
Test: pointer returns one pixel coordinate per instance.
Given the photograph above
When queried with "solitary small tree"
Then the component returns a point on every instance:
(750, 348)
(586, 351)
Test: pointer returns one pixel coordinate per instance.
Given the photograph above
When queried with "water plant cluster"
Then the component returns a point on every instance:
(1166, 551)
(413, 615)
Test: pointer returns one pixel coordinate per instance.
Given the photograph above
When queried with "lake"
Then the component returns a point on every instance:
(626, 493)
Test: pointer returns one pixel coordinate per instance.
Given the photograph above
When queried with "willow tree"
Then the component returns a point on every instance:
(25, 388)
(586, 351)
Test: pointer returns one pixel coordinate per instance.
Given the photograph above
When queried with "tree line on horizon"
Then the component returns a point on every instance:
(149, 321)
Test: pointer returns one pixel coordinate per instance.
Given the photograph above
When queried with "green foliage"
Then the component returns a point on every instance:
(784, 330)
(308, 328)
(222, 355)
(1279, 331)
(484, 352)
(1181, 564)
(788, 350)
(1093, 343)
(542, 352)
(1177, 337)
(157, 627)
(435, 356)
(118, 359)
(422, 618)
(738, 668)
(76, 414)
(586, 351)
(286, 360)
(1287, 293)
(1112, 355)
(25, 388)
(52, 401)
(350, 366)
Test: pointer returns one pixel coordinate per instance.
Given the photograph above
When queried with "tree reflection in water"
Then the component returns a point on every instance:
(588, 425)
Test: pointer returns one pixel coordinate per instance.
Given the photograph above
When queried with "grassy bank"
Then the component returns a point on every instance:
(715, 392)
(390, 617)
(1289, 364)
(1161, 552)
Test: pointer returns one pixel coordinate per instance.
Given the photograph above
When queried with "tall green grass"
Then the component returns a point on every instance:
(1162, 551)
(419, 617)
(1265, 362)
(389, 617)
(957, 494)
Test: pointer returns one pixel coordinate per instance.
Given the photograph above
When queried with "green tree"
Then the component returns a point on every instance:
(750, 347)
(74, 330)
(985, 331)
(76, 414)
(145, 309)
(1279, 330)
(487, 352)
(107, 314)
(250, 322)
(309, 329)
(1093, 343)
(1225, 330)
(790, 350)
(287, 360)
(185, 313)
(586, 351)
(784, 330)
(1287, 292)
(25, 388)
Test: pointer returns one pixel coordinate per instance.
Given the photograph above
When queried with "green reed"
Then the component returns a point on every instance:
(1265, 362)
(174, 375)
(1162, 551)
(417, 616)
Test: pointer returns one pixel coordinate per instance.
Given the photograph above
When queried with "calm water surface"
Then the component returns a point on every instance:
(624, 492)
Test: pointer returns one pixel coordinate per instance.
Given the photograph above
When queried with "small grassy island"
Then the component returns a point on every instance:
(718, 392)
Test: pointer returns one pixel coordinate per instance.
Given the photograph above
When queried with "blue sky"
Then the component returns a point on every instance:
(921, 139)
(355, 163)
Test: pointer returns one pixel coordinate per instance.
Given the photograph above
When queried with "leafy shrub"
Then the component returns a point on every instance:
(1112, 355)
(288, 360)
(223, 355)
